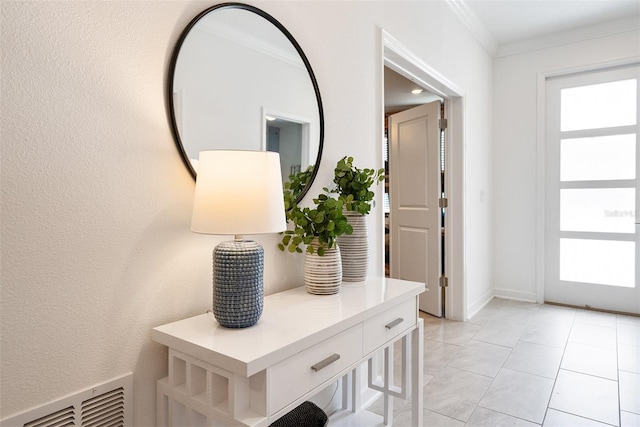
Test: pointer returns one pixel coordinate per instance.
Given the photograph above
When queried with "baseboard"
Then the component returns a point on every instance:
(475, 307)
(515, 295)
(479, 304)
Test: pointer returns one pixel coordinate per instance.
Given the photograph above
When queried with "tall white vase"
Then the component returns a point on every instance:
(323, 274)
(354, 249)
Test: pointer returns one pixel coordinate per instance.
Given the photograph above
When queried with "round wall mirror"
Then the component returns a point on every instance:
(239, 80)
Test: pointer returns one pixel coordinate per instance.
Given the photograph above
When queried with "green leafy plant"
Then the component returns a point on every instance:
(296, 184)
(325, 221)
(354, 185)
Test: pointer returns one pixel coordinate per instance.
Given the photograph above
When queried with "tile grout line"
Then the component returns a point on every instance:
(555, 380)
(618, 377)
(491, 319)
(493, 378)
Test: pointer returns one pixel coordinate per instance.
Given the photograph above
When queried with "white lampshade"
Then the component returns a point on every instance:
(237, 193)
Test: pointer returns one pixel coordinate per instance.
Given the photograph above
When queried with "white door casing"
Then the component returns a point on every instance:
(415, 220)
(404, 61)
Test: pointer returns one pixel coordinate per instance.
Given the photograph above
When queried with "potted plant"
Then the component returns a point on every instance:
(324, 223)
(317, 228)
(353, 185)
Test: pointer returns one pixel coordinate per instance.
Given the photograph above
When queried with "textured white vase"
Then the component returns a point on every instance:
(323, 274)
(354, 249)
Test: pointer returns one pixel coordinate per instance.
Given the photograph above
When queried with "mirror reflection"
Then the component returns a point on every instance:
(240, 81)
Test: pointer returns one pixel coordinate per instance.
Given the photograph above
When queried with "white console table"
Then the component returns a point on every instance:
(301, 344)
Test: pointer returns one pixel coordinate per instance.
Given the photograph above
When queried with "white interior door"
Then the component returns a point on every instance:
(414, 169)
(592, 176)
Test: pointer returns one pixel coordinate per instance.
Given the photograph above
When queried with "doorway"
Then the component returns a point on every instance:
(414, 218)
(592, 163)
(402, 61)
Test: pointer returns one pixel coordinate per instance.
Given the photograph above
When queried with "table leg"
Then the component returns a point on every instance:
(388, 378)
(417, 367)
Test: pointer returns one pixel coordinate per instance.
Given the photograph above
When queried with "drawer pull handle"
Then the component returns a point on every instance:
(326, 362)
(394, 323)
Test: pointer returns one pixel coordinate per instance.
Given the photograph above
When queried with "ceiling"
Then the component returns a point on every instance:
(511, 21)
(505, 27)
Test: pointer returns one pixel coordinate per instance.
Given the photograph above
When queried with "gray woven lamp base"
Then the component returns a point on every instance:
(238, 290)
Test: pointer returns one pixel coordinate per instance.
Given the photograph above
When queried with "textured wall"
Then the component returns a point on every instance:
(96, 203)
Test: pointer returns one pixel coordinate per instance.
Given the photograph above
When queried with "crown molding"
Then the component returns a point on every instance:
(488, 42)
(474, 25)
(568, 37)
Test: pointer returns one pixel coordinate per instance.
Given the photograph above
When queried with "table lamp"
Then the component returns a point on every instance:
(238, 193)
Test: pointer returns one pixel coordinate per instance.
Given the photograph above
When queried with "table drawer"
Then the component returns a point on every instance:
(388, 325)
(301, 373)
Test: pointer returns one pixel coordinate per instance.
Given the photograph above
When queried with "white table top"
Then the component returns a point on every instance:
(291, 321)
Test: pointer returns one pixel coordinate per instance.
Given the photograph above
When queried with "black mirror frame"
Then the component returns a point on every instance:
(277, 24)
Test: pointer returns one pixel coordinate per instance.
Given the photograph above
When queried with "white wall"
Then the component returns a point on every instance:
(514, 155)
(96, 203)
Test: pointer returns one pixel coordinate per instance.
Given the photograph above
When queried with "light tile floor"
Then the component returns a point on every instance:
(525, 364)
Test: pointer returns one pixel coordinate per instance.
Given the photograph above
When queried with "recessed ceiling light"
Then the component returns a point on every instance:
(270, 118)
(416, 91)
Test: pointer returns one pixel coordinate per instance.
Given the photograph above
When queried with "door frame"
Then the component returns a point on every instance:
(541, 153)
(401, 60)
